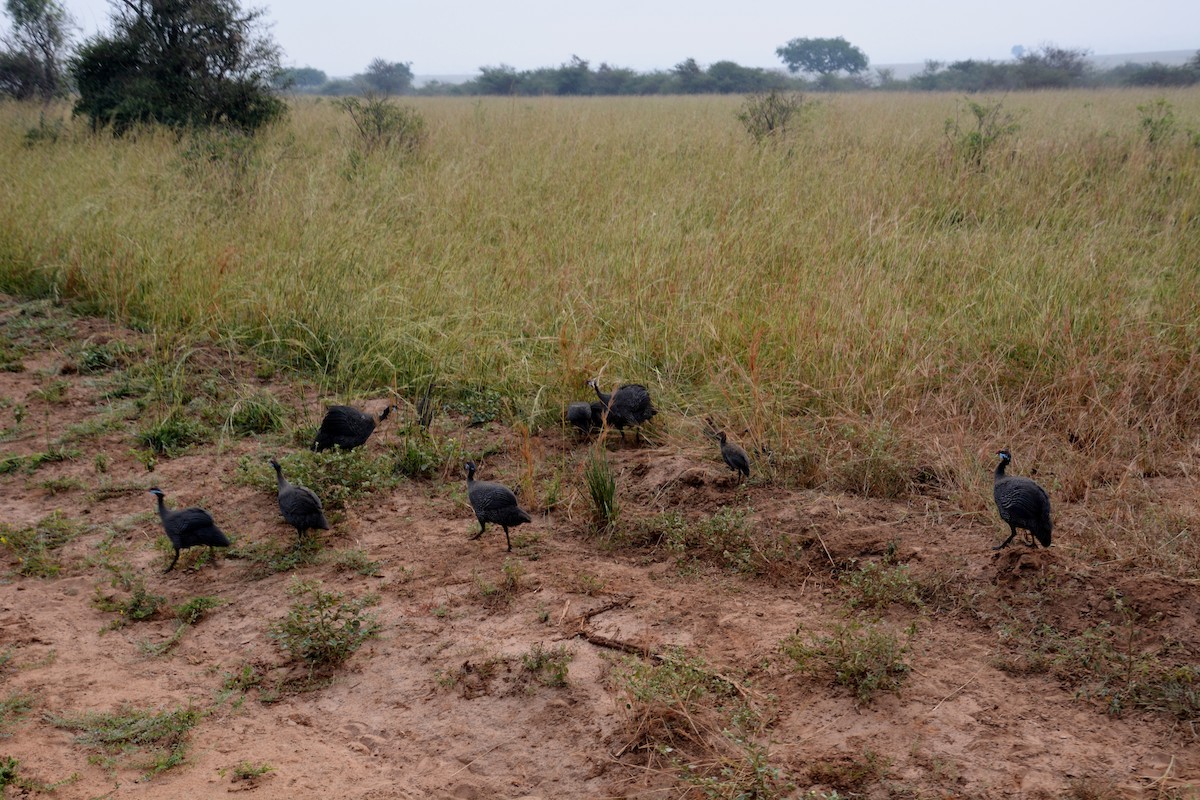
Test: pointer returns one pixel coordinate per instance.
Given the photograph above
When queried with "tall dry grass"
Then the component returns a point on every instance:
(859, 291)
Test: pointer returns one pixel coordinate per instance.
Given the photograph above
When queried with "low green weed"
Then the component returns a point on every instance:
(864, 658)
(323, 629)
(155, 741)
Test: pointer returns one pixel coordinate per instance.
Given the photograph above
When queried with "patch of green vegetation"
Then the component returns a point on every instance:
(93, 358)
(133, 603)
(547, 667)
(422, 456)
(55, 486)
(173, 434)
(355, 560)
(155, 740)
(13, 708)
(852, 775)
(336, 476)
(322, 628)
(256, 414)
(726, 539)
(194, 610)
(602, 489)
(864, 658)
(246, 771)
(480, 404)
(269, 557)
(10, 775)
(53, 393)
(31, 463)
(879, 584)
(35, 547)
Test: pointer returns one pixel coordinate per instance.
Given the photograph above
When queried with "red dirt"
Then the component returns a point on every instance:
(438, 705)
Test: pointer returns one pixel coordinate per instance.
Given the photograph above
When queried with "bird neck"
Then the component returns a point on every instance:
(600, 394)
(279, 476)
(162, 506)
(1000, 467)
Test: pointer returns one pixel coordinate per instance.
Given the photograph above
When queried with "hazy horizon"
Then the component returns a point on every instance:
(457, 38)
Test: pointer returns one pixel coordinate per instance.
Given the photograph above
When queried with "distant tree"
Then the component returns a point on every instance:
(614, 80)
(300, 78)
(572, 77)
(691, 77)
(727, 77)
(179, 63)
(388, 77)
(823, 56)
(1050, 66)
(36, 50)
(497, 80)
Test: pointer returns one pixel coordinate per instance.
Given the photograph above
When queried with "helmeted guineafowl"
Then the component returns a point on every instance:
(300, 507)
(734, 456)
(346, 427)
(587, 417)
(628, 407)
(188, 527)
(494, 503)
(1022, 504)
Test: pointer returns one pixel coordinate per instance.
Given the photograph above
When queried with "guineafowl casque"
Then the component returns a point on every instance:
(734, 456)
(587, 417)
(346, 427)
(629, 406)
(188, 527)
(1022, 504)
(300, 507)
(494, 503)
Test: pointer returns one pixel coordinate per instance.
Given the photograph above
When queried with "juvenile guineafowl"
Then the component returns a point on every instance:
(346, 427)
(628, 407)
(587, 417)
(494, 503)
(300, 507)
(734, 456)
(1022, 504)
(188, 527)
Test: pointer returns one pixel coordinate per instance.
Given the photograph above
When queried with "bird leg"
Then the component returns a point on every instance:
(482, 525)
(1009, 539)
(506, 539)
(171, 566)
(1029, 540)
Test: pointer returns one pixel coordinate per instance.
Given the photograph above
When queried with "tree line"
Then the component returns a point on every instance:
(209, 62)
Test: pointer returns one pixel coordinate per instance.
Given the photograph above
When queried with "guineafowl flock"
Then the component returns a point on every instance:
(1022, 503)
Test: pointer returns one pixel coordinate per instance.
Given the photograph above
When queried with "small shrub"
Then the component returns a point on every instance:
(322, 628)
(877, 585)
(54, 393)
(383, 123)
(1158, 122)
(192, 611)
(269, 557)
(992, 125)
(773, 114)
(94, 358)
(138, 604)
(161, 735)
(13, 708)
(864, 658)
(246, 771)
(548, 667)
(337, 476)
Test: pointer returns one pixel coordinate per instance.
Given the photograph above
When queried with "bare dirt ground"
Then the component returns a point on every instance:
(441, 703)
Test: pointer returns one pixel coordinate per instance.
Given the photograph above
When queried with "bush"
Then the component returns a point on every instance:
(336, 476)
(602, 488)
(866, 659)
(772, 114)
(383, 123)
(992, 125)
(322, 628)
(257, 413)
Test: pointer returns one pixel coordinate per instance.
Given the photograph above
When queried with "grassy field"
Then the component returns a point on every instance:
(860, 288)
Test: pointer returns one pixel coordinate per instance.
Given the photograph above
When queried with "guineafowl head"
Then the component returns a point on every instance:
(386, 411)
(721, 436)
(157, 492)
(593, 384)
(1005, 456)
(470, 467)
(275, 464)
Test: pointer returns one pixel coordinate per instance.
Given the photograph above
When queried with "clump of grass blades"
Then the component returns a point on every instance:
(256, 413)
(35, 547)
(173, 434)
(602, 489)
(160, 737)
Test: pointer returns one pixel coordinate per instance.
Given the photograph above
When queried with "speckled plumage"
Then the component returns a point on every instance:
(734, 456)
(493, 503)
(628, 407)
(346, 427)
(1022, 504)
(300, 506)
(188, 527)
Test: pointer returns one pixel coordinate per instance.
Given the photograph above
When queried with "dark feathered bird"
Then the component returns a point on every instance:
(628, 407)
(494, 503)
(734, 456)
(346, 427)
(300, 507)
(188, 527)
(1022, 504)
(587, 417)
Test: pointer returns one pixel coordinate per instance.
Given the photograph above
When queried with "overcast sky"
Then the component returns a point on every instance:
(449, 37)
